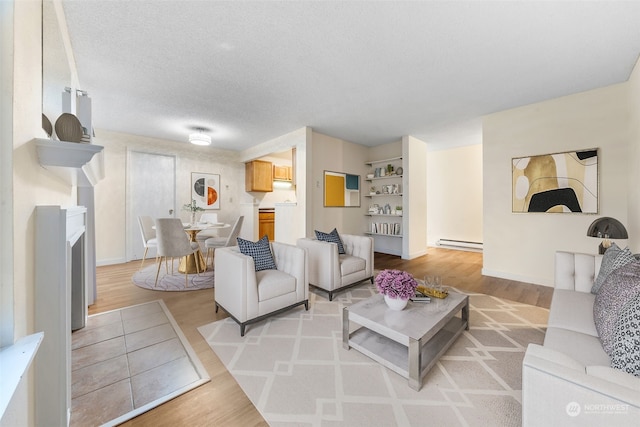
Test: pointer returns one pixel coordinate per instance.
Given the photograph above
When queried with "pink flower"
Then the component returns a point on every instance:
(396, 284)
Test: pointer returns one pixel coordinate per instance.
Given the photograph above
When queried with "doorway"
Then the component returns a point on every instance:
(151, 188)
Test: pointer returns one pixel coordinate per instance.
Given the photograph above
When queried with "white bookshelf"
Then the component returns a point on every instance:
(385, 225)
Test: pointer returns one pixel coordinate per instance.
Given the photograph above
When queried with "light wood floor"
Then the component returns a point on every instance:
(222, 402)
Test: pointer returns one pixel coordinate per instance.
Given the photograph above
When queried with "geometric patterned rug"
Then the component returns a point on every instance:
(295, 371)
(146, 278)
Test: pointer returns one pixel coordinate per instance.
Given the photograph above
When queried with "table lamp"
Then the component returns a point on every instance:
(607, 228)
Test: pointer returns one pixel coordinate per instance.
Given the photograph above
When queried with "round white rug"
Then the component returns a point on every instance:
(146, 277)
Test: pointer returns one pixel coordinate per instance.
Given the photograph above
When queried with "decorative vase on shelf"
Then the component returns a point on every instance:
(193, 218)
(396, 304)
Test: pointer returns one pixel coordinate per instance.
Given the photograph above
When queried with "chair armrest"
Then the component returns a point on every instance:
(235, 283)
(361, 247)
(552, 380)
(293, 261)
(323, 262)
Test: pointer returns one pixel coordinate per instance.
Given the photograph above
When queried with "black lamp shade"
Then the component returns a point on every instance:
(609, 227)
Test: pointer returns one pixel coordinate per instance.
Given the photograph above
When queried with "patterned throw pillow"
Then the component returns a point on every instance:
(613, 258)
(626, 342)
(260, 251)
(620, 287)
(332, 237)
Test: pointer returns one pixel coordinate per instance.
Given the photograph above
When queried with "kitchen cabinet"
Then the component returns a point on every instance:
(258, 176)
(282, 173)
(266, 225)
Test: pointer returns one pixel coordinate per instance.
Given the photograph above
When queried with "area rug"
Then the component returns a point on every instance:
(128, 361)
(295, 371)
(146, 278)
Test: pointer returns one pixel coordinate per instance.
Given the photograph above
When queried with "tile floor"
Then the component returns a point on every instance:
(123, 360)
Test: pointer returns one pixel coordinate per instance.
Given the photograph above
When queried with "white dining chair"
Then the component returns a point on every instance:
(220, 242)
(210, 218)
(173, 242)
(148, 235)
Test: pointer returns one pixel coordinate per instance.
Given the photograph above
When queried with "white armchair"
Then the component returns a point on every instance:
(250, 296)
(333, 272)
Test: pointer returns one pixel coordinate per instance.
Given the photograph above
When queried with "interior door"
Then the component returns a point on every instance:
(152, 191)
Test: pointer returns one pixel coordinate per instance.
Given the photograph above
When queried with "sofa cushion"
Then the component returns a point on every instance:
(620, 287)
(613, 258)
(332, 237)
(260, 251)
(351, 264)
(573, 310)
(625, 353)
(584, 348)
(274, 283)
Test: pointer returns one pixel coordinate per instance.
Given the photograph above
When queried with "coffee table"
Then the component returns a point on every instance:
(410, 341)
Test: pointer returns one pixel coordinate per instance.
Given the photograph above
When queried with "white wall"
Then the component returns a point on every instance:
(521, 246)
(30, 185)
(633, 223)
(111, 193)
(414, 183)
(454, 194)
(336, 155)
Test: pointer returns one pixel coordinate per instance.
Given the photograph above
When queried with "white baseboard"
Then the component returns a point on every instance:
(517, 277)
(112, 261)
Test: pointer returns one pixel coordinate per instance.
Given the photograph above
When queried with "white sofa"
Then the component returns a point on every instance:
(568, 380)
(333, 272)
(250, 296)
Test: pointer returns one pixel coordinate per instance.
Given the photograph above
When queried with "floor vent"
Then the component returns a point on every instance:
(459, 244)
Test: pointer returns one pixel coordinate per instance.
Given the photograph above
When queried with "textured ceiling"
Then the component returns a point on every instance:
(367, 72)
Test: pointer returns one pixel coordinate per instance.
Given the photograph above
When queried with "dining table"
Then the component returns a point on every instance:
(195, 262)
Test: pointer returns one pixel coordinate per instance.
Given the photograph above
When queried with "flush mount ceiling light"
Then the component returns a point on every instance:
(199, 138)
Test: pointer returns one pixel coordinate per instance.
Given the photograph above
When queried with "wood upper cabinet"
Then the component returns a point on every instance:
(282, 173)
(258, 176)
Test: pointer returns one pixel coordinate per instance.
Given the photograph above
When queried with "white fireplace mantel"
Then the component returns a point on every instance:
(80, 165)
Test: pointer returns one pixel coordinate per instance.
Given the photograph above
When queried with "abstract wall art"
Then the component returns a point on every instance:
(560, 182)
(205, 190)
(341, 189)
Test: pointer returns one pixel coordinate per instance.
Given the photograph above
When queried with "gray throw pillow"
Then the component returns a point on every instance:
(620, 287)
(625, 353)
(613, 258)
(260, 251)
(332, 237)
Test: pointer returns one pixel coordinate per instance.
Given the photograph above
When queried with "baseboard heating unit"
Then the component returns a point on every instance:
(450, 243)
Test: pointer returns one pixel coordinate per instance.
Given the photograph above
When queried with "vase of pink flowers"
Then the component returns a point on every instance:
(397, 287)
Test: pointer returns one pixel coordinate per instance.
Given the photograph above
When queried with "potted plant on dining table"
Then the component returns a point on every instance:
(193, 208)
(397, 287)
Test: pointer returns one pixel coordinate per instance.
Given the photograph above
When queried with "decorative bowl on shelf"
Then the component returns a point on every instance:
(68, 128)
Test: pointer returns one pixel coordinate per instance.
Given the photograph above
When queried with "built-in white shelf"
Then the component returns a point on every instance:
(392, 159)
(383, 177)
(387, 215)
(382, 234)
(382, 195)
(80, 165)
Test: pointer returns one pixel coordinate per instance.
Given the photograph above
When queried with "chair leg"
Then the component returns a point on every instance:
(371, 278)
(306, 305)
(242, 326)
(144, 256)
(217, 307)
(158, 273)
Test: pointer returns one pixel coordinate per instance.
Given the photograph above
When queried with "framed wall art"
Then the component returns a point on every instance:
(205, 190)
(560, 182)
(341, 189)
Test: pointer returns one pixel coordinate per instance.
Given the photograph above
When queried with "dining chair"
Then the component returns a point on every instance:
(148, 235)
(173, 242)
(211, 218)
(220, 242)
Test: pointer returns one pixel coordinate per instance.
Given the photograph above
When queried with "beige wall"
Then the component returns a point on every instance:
(336, 155)
(522, 246)
(111, 193)
(633, 223)
(454, 194)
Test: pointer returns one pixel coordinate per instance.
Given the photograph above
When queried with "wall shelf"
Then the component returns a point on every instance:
(382, 234)
(80, 165)
(383, 195)
(392, 159)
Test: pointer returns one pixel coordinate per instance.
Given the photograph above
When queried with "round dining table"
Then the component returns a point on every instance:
(195, 262)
